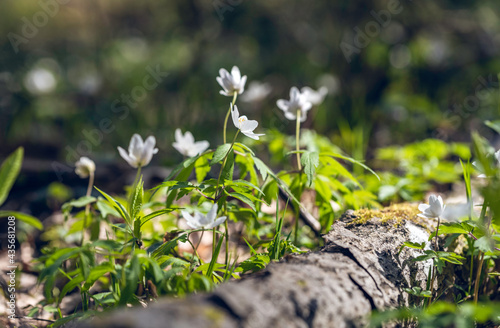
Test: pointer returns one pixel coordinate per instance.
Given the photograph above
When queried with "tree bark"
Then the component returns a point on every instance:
(358, 270)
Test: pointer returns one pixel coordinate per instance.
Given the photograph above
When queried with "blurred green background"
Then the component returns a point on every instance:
(424, 69)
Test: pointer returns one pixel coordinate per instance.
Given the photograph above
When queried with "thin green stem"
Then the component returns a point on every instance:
(214, 235)
(87, 207)
(136, 180)
(478, 277)
(436, 236)
(227, 114)
(297, 139)
(299, 166)
(224, 164)
(226, 226)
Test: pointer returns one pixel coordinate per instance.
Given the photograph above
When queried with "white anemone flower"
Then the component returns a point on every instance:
(432, 210)
(297, 102)
(139, 153)
(231, 83)
(256, 92)
(245, 125)
(186, 145)
(84, 167)
(313, 96)
(200, 221)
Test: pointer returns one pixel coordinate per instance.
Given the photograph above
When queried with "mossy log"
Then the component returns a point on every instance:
(358, 270)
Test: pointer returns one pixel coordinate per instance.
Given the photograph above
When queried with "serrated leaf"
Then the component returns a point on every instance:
(261, 167)
(228, 169)
(220, 153)
(9, 171)
(136, 199)
(310, 161)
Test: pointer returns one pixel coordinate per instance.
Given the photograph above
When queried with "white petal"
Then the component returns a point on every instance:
(148, 151)
(223, 73)
(224, 93)
(212, 214)
(136, 145)
(235, 115)
(188, 138)
(242, 84)
(249, 125)
(306, 106)
(217, 222)
(221, 83)
(178, 136)
(235, 72)
(200, 146)
(179, 147)
(282, 104)
(294, 93)
(423, 207)
(291, 116)
(131, 161)
(252, 135)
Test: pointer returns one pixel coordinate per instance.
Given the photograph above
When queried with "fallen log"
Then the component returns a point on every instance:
(358, 270)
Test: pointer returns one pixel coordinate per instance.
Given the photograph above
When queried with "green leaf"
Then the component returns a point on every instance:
(228, 169)
(352, 160)
(263, 169)
(237, 144)
(183, 166)
(485, 244)
(150, 216)
(495, 125)
(244, 198)
(310, 161)
(9, 171)
(116, 205)
(220, 153)
(244, 183)
(165, 248)
(210, 269)
(26, 218)
(97, 272)
(131, 281)
(136, 199)
(106, 209)
(80, 202)
(202, 168)
(411, 245)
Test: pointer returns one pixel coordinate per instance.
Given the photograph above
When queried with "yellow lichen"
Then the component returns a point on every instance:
(396, 213)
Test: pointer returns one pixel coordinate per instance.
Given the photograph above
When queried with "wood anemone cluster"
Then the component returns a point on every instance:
(357, 271)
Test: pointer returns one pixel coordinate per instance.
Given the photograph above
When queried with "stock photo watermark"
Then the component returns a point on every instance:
(32, 25)
(121, 107)
(484, 94)
(11, 267)
(362, 37)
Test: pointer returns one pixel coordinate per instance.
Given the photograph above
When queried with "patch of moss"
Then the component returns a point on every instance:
(396, 213)
(214, 315)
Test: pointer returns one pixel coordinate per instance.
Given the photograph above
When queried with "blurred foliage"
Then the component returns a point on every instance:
(430, 71)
